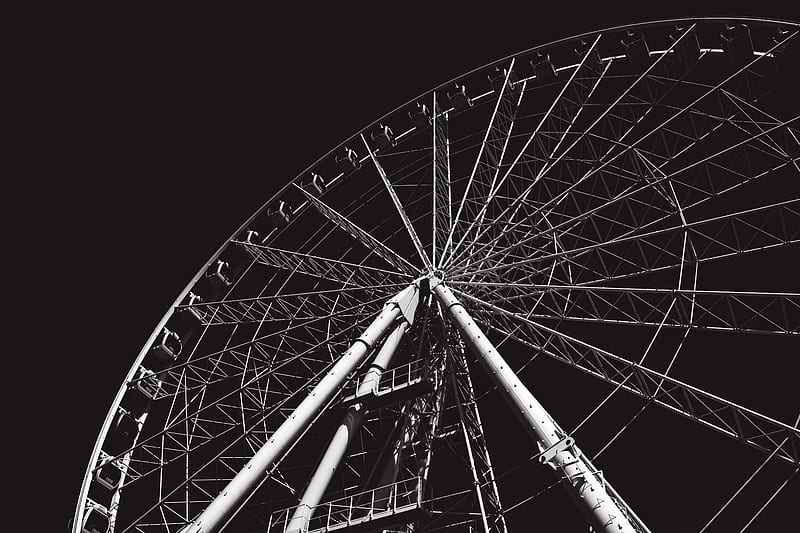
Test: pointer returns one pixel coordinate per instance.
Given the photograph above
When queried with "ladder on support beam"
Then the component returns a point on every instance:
(396, 385)
(383, 507)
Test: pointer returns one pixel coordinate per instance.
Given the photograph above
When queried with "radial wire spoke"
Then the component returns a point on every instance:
(552, 161)
(400, 210)
(628, 193)
(744, 425)
(766, 226)
(741, 311)
(548, 118)
(371, 244)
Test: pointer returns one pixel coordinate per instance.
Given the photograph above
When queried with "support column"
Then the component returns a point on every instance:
(584, 484)
(473, 467)
(344, 433)
(257, 470)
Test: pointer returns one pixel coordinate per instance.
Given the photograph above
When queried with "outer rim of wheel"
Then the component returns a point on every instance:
(95, 453)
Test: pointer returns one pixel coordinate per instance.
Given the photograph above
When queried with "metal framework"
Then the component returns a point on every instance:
(373, 348)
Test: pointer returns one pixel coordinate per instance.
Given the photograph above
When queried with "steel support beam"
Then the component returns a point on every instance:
(350, 425)
(462, 416)
(258, 469)
(604, 511)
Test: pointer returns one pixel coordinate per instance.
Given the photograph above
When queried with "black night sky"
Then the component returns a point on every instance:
(150, 139)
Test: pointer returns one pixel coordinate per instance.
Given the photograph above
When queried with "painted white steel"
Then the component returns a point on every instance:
(585, 485)
(341, 439)
(257, 470)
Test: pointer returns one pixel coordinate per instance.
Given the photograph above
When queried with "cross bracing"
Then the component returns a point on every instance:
(645, 188)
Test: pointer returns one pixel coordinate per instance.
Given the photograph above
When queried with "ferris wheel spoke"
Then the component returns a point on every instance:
(227, 428)
(399, 206)
(628, 103)
(223, 422)
(517, 234)
(442, 193)
(696, 192)
(369, 242)
(608, 131)
(298, 343)
(300, 307)
(769, 500)
(548, 134)
(321, 267)
(696, 182)
(299, 324)
(209, 467)
(750, 119)
(585, 197)
(613, 267)
(667, 145)
(758, 312)
(744, 484)
(560, 117)
(760, 228)
(745, 425)
(306, 412)
(638, 100)
(219, 417)
(671, 145)
(483, 184)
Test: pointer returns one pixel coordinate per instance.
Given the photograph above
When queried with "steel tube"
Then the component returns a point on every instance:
(344, 433)
(472, 466)
(583, 483)
(257, 470)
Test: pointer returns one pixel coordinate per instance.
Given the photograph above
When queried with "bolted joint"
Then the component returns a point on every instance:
(549, 455)
(406, 301)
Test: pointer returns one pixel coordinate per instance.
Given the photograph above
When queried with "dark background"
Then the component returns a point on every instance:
(147, 140)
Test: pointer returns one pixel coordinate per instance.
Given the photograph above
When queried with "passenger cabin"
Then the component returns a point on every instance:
(636, 49)
(420, 116)
(593, 60)
(384, 137)
(165, 350)
(280, 214)
(687, 51)
(108, 475)
(543, 68)
(498, 77)
(121, 434)
(95, 519)
(737, 44)
(349, 161)
(141, 392)
(251, 236)
(219, 275)
(314, 184)
(458, 98)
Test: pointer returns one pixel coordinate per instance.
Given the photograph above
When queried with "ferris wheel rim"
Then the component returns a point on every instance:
(293, 181)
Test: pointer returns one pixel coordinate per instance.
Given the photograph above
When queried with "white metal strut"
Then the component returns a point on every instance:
(258, 469)
(350, 425)
(592, 493)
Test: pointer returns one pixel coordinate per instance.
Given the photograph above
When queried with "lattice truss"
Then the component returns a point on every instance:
(611, 194)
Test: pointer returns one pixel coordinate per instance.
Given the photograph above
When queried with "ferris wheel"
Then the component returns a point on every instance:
(564, 282)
